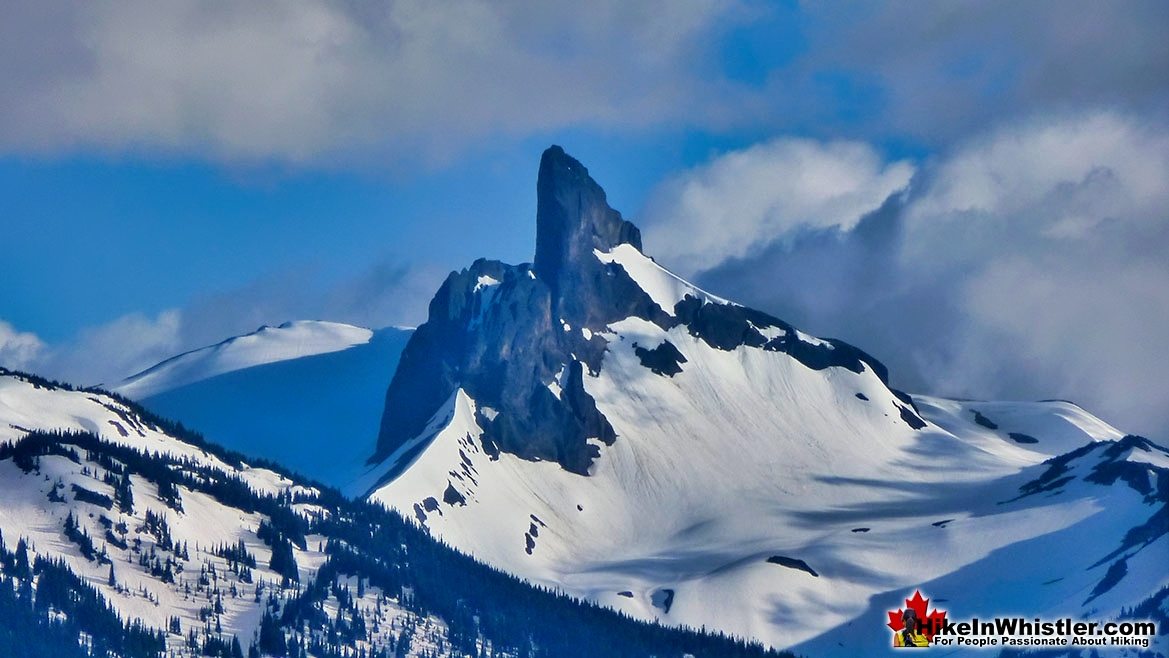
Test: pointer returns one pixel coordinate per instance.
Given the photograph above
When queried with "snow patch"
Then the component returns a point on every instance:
(485, 281)
(664, 287)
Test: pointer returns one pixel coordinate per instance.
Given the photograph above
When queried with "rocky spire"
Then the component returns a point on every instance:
(503, 342)
(573, 218)
(504, 333)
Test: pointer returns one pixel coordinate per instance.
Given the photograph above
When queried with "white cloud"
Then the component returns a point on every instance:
(1035, 170)
(110, 351)
(399, 80)
(1027, 263)
(380, 295)
(97, 354)
(18, 350)
(384, 294)
(1076, 332)
(744, 199)
(311, 80)
(1052, 236)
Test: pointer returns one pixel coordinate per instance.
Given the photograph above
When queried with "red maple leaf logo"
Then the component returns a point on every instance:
(929, 623)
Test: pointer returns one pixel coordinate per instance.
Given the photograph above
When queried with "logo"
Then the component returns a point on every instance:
(912, 626)
(918, 625)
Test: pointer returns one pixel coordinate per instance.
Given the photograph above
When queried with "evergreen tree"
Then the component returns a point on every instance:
(21, 568)
(124, 495)
(283, 561)
(271, 639)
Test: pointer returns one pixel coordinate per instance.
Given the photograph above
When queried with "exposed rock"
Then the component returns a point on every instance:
(1019, 437)
(910, 418)
(452, 496)
(984, 421)
(520, 339)
(663, 599)
(665, 359)
(792, 563)
(729, 326)
(499, 331)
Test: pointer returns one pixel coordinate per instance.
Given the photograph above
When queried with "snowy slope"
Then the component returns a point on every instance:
(199, 522)
(183, 538)
(745, 456)
(287, 394)
(727, 451)
(291, 340)
(664, 287)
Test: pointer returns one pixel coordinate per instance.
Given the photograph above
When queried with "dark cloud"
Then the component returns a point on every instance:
(937, 71)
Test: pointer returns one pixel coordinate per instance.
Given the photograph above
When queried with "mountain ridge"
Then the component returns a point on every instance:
(288, 394)
(507, 333)
(620, 435)
(122, 534)
(292, 339)
(645, 444)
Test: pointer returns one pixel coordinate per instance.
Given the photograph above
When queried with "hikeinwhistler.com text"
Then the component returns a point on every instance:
(1003, 632)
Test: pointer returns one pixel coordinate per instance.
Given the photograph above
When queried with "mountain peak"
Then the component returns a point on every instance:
(573, 217)
(520, 340)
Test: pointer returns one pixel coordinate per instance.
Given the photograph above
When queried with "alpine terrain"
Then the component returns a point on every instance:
(287, 394)
(593, 423)
(121, 534)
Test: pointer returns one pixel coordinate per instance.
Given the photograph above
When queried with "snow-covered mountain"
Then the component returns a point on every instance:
(291, 340)
(288, 394)
(121, 535)
(593, 423)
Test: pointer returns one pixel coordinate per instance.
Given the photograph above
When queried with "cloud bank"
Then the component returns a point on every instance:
(731, 206)
(943, 71)
(1026, 263)
(305, 81)
(396, 82)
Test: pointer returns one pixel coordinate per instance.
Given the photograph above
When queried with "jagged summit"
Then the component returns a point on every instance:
(520, 340)
(574, 223)
(509, 332)
(573, 217)
(598, 425)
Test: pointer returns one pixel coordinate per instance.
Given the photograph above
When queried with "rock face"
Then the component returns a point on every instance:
(519, 339)
(696, 451)
(573, 218)
(498, 331)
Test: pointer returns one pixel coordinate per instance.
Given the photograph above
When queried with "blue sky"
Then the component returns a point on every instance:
(170, 176)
